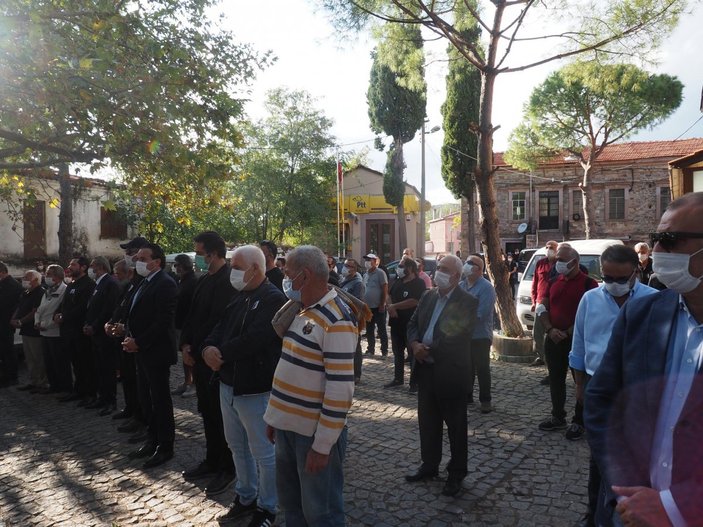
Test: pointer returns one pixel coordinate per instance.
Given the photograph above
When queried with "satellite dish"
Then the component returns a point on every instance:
(522, 228)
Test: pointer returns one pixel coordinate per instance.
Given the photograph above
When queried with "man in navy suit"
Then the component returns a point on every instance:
(151, 336)
(439, 335)
(645, 401)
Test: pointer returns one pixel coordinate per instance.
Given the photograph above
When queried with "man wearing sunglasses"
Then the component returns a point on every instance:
(595, 318)
(644, 403)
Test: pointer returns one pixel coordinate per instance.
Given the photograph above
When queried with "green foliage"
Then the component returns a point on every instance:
(589, 106)
(393, 186)
(460, 113)
(400, 48)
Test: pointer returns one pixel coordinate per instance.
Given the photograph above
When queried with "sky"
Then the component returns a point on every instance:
(335, 69)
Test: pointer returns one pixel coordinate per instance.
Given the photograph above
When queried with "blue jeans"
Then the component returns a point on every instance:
(253, 454)
(314, 500)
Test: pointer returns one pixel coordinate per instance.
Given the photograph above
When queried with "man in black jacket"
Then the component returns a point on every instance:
(10, 291)
(71, 317)
(151, 337)
(105, 349)
(212, 294)
(183, 267)
(244, 349)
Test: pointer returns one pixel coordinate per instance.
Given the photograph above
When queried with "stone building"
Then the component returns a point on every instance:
(631, 189)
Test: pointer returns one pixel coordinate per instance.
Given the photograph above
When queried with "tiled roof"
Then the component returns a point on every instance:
(632, 151)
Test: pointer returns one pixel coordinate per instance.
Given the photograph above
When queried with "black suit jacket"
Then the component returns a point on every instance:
(10, 291)
(74, 306)
(451, 341)
(102, 304)
(150, 320)
(622, 407)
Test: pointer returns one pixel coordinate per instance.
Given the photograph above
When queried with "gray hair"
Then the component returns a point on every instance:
(56, 271)
(102, 263)
(311, 258)
(36, 275)
(638, 246)
(455, 262)
(251, 254)
(120, 264)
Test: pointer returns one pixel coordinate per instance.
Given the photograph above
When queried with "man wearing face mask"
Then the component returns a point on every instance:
(23, 319)
(212, 294)
(151, 338)
(57, 362)
(106, 350)
(70, 317)
(557, 311)
(244, 348)
(644, 264)
(312, 392)
(595, 318)
(376, 296)
(645, 400)
(187, 282)
(273, 272)
(544, 272)
(439, 333)
(354, 285)
(477, 286)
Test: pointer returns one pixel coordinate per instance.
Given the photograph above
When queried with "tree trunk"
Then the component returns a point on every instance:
(485, 189)
(65, 232)
(471, 219)
(589, 217)
(399, 169)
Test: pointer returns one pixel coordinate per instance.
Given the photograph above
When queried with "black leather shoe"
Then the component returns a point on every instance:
(452, 487)
(94, 405)
(545, 381)
(161, 456)
(393, 383)
(122, 414)
(201, 470)
(107, 410)
(139, 436)
(146, 450)
(129, 427)
(85, 402)
(219, 484)
(421, 474)
(69, 398)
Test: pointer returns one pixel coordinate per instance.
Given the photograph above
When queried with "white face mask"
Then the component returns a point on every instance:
(129, 261)
(91, 273)
(142, 269)
(643, 257)
(346, 271)
(442, 280)
(25, 284)
(468, 269)
(49, 281)
(618, 290)
(368, 264)
(551, 254)
(236, 278)
(563, 267)
(672, 271)
(400, 272)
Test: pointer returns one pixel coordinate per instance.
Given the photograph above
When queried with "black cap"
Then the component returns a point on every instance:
(136, 243)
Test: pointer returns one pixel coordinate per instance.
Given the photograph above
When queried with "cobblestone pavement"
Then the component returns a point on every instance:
(65, 466)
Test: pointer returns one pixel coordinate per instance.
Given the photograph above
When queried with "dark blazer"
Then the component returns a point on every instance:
(102, 304)
(150, 320)
(74, 306)
(10, 291)
(622, 406)
(451, 341)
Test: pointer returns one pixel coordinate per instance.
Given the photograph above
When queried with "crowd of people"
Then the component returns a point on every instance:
(271, 348)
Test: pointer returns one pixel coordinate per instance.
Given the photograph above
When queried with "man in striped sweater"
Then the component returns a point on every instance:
(311, 395)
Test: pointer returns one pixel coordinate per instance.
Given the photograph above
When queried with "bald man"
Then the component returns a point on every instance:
(557, 312)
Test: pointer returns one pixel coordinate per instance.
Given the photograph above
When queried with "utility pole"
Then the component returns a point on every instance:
(423, 226)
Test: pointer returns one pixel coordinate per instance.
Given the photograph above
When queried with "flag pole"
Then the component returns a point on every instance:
(344, 227)
(338, 205)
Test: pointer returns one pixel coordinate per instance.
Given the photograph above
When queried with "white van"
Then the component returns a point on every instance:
(589, 252)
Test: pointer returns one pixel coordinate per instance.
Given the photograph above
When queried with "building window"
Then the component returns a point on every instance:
(518, 206)
(576, 204)
(616, 204)
(112, 225)
(549, 210)
(664, 199)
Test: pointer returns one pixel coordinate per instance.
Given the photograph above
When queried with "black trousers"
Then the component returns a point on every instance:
(156, 403)
(378, 320)
(128, 374)
(107, 360)
(80, 350)
(557, 358)
(207, 389)
(8, 357)
(357, 359)
(594, 479)
(58, 364)
(481, 368)
(432, 412)
(399, 343)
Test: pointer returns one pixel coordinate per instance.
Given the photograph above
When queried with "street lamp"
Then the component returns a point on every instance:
(421, 249)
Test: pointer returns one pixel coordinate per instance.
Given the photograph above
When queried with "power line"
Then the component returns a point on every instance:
(687, 129)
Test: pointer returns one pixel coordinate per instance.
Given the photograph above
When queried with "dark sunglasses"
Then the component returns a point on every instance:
(622, 280)
(669, 239)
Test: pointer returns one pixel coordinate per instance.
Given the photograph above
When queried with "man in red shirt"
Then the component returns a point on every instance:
(557, 311)
(544, 271)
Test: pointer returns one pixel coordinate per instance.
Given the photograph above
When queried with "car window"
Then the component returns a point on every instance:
(530, 271)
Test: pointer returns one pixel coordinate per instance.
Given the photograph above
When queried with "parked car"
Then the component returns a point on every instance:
(589, 252)
(522, 261)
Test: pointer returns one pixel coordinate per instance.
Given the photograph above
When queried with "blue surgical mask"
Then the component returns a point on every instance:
(291, 293)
